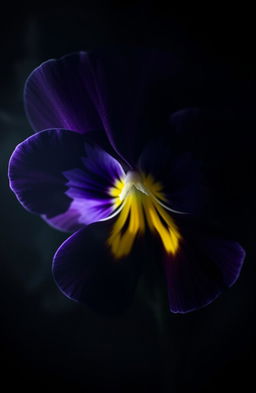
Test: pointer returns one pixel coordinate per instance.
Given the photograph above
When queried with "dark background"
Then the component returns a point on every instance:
(50, 342)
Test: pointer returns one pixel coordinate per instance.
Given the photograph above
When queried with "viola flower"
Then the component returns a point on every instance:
(104, 165)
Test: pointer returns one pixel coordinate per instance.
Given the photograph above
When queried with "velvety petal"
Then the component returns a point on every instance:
(61, 93)
(205, 265)
(126, 92)
(61, 176)
(136, 88)
(178, 172)
(85, 270)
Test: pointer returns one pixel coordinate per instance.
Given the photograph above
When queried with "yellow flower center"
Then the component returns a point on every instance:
(140, 200)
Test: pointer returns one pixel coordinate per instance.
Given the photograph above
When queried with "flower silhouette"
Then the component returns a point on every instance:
(105, 165)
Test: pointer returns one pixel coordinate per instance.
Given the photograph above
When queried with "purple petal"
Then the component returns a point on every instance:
(59, 175)
(120, 91)
(62, 94)
(135, 86)
(85, 270)
(205, 265)
(178, 172)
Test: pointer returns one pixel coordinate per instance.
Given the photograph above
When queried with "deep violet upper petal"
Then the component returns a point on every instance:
(178, 172)
(206, 264)
(61, 176)
(126, 92)
(136, 86)
(85, 270)
(61, 93)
